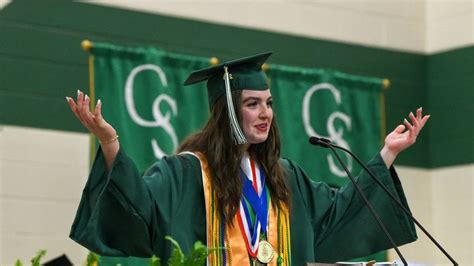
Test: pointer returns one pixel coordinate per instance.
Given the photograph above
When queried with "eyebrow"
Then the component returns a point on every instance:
(250, 98)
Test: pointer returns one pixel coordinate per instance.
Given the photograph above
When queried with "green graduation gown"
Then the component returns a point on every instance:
(123, 213)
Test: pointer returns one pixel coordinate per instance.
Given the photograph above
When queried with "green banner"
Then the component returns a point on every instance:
(340, 107)
(144, 99)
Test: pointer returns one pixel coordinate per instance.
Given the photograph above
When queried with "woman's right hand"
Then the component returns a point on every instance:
(96, 124)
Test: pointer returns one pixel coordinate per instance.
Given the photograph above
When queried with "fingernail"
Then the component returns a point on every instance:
(405, 120)
(78, 93)
(99, 102)
(86, 98)
(67, 99)
(411, 113)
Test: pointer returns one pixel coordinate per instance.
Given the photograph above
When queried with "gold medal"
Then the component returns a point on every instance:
(265, 252)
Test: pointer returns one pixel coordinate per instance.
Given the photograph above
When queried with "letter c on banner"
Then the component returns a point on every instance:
(335, 135)
(160, 120)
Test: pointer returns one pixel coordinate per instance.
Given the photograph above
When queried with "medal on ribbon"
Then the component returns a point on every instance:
(257, 197)
(265, 252)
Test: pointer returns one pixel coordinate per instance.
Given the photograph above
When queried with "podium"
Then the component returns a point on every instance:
(369, 263)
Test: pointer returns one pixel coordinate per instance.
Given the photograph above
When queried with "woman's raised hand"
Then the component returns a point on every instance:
(96, 124)
(403, 136)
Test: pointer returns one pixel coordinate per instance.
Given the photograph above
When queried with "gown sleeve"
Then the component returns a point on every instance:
(342, 226)
(123, 213)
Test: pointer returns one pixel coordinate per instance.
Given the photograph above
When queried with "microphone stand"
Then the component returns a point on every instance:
(366, 201)
(407, 212)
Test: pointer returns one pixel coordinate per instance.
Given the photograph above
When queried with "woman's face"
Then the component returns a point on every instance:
(257, 115)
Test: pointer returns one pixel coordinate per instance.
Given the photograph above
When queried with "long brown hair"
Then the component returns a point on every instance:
(215, 141)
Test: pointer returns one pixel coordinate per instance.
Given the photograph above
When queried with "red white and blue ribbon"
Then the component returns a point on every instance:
(255, 193)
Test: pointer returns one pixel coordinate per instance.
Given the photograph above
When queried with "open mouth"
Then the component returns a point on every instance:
(262, 127)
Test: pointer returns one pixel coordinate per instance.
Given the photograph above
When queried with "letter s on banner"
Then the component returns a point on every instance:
(335, 135)
(160, 120)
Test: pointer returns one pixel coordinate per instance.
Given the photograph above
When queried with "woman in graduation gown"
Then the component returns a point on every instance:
(228, 187)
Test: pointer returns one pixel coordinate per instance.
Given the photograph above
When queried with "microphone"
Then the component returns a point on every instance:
(320, 142)
(326, 143)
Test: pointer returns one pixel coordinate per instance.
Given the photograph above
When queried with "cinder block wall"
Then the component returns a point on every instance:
(42, 173)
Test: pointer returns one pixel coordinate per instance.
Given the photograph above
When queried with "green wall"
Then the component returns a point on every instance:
(41, 62)
(451, 102)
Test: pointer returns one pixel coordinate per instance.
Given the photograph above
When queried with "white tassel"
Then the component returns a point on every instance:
(237, 133)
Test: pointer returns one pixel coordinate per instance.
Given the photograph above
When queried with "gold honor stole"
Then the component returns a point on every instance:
(228, 240)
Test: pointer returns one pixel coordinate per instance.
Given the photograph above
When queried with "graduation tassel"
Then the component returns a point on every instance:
(237, 133)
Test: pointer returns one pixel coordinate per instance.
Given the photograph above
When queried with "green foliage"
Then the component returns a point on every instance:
(177, 255)
(35, 261)
(197, 257)
(155, 261)
(92, 259)
(198, 254)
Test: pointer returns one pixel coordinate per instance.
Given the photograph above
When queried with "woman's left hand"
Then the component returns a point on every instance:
(400, 139)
